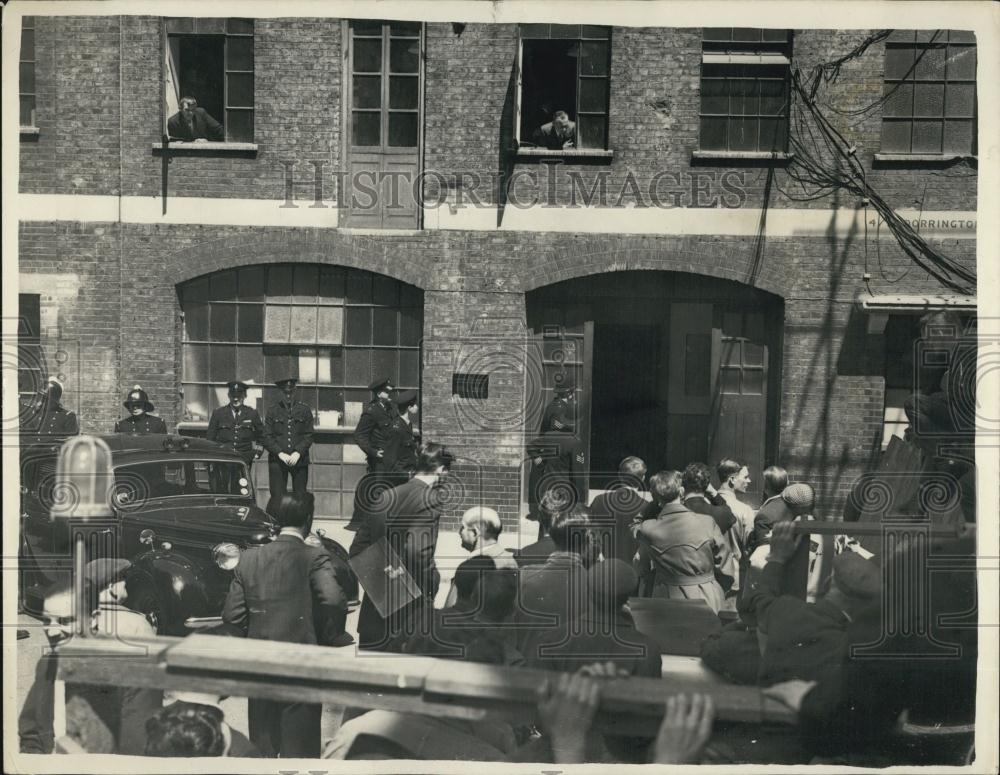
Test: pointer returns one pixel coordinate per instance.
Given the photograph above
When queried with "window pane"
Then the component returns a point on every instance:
(359, 287)
(403, 91)
(239, 53)
(304, 282)
(729, 380)
(930, 63)
(196, 402)
(564, 30)
(753, 382)
(336, 356)
(966, 36)
(743, 134)
(277, 362)
(323, 366)
(713, 134)
(251, 284)
(277, 323)
(239, 126)
(367, 55)
(409, 368)
(928, 99)
(594, 95)
(744, 100)
(223, 362)
(240, 26)
(251, 323)
(385, 363)
(961, 100)
(304, 324)
(196, 362)
(196, 290)
(365, 128)
(903, 36)
(223, 323)
(385, 291)
(896, 136)
(747, 34)
(714, 96)
(358, 325)
(772, 134)
(27, 114)
(958, 136)
(961, 63)
(775, 36)
(592, 131)
(898, 100)
(331, 325)
(250, 364)
(223, 286)
(279, 283)
(307, 365)
(196, 322)
(385, 327)
(27, 44)
(593, 58)
(367, 91)
(28, 78)
(772, 97)
(331, 285)
(927, 136)
(717, 34)
(331, 399)
(366, 28)
(403, 130)
(410, 295)
(358, 367)
(240, 90)
(898, 62)
(411, 328)
(404, 55)
(404, 29)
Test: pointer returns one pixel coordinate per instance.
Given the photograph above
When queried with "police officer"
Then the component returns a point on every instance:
(559, 414)
(236, 425)
(46, 420)
(409, 434)
(288, 433)
(139, 421)
(380, 429)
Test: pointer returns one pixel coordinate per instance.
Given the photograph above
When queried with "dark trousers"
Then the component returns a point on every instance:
(278, 474)
(291, 729)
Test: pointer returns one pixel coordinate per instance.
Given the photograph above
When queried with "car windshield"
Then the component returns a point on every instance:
(168, 478)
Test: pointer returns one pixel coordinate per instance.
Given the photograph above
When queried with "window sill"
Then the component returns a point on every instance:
(207, 147)
(29, 131)
(564, 153)
(779, 156)
(202, 425)
(921, 158)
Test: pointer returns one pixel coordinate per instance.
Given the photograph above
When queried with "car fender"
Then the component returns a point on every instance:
(179, 583)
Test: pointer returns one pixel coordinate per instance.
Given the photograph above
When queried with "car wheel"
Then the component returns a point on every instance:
(148, 603)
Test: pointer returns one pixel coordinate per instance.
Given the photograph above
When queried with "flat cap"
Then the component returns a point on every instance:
(856, 576)
(406, 398)
(379, 382)
(105, 571)
(799, 496)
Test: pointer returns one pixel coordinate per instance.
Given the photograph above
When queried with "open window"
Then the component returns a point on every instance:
(744, 91)
(563, 68)
(930, 93)
(211, 61)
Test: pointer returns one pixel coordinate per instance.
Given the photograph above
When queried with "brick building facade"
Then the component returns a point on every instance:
(728, 255)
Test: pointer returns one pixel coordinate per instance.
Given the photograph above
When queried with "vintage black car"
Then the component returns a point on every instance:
(184, 510)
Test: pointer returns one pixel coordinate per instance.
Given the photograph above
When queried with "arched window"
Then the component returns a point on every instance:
(337, 328)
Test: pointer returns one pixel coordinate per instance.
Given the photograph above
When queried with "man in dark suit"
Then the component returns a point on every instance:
(616, 512)
(139, 421)
(192, 123)
(702, 498)
(287, 591)
(410, 525)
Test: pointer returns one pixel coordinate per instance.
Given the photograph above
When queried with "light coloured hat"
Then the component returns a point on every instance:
(799, 496)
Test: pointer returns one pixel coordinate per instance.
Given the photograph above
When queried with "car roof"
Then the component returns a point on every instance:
(156, 442)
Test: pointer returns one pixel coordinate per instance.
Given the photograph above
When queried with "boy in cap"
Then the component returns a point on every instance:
(139, 421)
(288, 433)
(237, 425)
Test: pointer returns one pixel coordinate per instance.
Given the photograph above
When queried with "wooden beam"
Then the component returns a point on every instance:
(439, 687)
(881, 528)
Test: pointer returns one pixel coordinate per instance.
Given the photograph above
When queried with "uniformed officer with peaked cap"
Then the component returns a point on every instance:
(559, 414)
(139, 421)
(379, 429)
(288, 431)
(236, 425)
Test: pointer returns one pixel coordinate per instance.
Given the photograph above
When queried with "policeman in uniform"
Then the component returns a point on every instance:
(139, 421)
(409, 434)
(237, 426)
(288, 433)
(380, 429)
(559, 414)
(46, 420)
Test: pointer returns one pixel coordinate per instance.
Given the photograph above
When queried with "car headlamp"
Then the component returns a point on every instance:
(226, 555)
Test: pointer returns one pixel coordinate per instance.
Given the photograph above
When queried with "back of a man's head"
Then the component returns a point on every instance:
(185, 729)
(666, 486)
(290, 510)
(727, 468)
(467, 576)
(485, 520)
(611, 584)
(632, 472)
(775, 480)
(431, 457)
(570, 528)
(696, 478)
